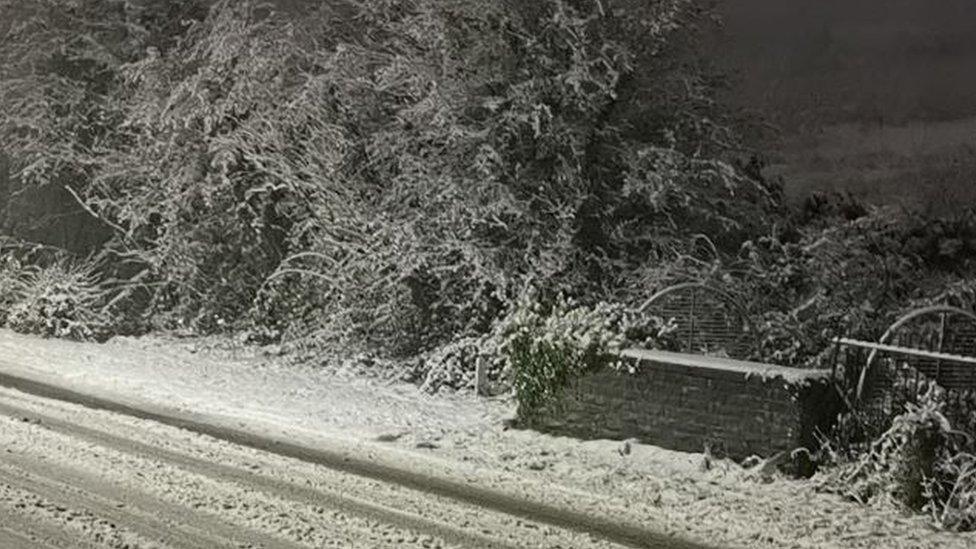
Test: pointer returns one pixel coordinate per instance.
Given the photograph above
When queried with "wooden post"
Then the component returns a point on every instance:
(938, 362)
(480, 376)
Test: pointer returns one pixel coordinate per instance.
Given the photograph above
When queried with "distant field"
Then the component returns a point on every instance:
(875, 97)
(927, 165)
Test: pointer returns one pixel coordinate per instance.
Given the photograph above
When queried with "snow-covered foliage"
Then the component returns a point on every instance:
(546, 346)
(61, 300)
(922, 461)
(382, 176)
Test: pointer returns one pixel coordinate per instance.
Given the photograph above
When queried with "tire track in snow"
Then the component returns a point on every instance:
(590, 527)
(53, 428)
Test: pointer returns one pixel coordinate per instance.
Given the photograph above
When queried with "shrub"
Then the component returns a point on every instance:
(851, 273)
(455, 365)
(405, 165)
(11, 285)
(546, 346)
(61, 300)
(950, 491)
(921, 462)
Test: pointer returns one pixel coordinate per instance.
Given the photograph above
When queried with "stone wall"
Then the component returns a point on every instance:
(687, 402)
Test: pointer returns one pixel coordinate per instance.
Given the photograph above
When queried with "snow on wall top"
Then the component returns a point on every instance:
(766, 371)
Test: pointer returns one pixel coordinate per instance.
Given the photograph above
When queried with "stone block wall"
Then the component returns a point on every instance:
(687, 402)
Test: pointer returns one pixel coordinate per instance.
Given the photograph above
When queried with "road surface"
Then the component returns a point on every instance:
(71, 476)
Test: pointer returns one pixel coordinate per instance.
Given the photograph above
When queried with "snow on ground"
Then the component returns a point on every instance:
(91, 479)
(718, 501)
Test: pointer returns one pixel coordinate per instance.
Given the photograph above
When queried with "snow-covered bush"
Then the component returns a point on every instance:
(378, 177)
(579, 331)
(547, 345)
(950, 491)
(921, 462)
(61, 300)
(456, 365)
(11, 285)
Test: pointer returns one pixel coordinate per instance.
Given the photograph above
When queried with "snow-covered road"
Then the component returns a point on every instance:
(76, 477)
